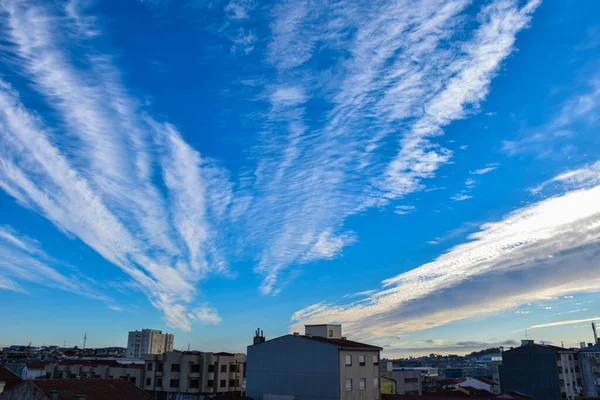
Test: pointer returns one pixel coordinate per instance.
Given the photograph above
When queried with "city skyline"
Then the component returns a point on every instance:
(427, 175)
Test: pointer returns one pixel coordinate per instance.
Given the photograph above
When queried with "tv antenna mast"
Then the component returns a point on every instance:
(84, 340)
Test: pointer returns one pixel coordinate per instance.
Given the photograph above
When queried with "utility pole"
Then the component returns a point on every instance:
(84, 340)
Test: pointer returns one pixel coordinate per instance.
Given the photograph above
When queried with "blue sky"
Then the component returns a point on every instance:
(426, 174)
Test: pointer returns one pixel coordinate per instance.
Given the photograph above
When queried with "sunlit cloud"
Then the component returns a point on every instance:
(485, 275)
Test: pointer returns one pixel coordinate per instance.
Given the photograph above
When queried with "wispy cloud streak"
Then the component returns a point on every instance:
(491, 272)
(392, 73)
(98, 182)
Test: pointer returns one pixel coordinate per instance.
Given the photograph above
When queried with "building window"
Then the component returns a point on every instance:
(223, 383)
(348, 385)
(375, 382)
(149, 366)
(232, 382)
(362, 384)
(195, 367)
(375, 360)
(331, 333)
(159, 382)
(224, 368)
(232, 368)
(210, 383)
(211, 367)
(348, 360)
(148, 381)
(175, 367)
(160, 367)
(195, 383)
(174, 383)
(560, 370)
(361, 361)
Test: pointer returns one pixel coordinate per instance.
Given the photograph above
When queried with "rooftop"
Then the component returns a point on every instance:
(342, 343)
(94, 389)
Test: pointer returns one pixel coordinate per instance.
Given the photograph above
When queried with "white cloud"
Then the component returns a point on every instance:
(405, 209)
(206, 315)
(23, 260)
(243, 42)
(388, 68)
(483, 171)
(239, 9)
(461, 196)
(585, 176)
(98, 182)
(487, 271)
(577, 114)
(560, 323)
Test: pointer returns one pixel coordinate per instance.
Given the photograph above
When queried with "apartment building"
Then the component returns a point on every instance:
(407, 381)
(589, 360)
(148, 341)
(319, 365)
(100, 369)
(193, 374)
(542, 371)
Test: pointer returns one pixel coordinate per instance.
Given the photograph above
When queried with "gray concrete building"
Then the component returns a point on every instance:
(148, 341)
(408, 381)
(589, 359)
(319, 365)
(194, 374)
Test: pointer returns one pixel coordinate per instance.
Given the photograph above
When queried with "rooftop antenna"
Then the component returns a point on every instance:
(84, 340)
(562, 343)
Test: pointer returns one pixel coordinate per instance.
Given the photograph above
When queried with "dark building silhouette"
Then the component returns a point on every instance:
(541, 371)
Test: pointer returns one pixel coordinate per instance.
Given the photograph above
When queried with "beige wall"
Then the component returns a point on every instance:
(324, 331)
(234, 372)
(356, 372)
(405, 381)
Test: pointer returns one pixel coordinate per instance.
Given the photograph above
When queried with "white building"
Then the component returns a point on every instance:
(148, 341)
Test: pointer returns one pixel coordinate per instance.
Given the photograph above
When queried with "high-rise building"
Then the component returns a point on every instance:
(148, 341)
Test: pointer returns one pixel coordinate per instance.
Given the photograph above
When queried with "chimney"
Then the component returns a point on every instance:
(258, 337)
(53, 395)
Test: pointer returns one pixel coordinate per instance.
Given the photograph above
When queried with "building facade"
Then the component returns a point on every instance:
(541, 371)
(193, 375)
(408, 381)
(589, 361)
(319, 365)
(110, 369)
(148, 341)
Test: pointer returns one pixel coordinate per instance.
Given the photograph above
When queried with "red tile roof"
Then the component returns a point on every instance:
(11, 379)
(93, 389)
